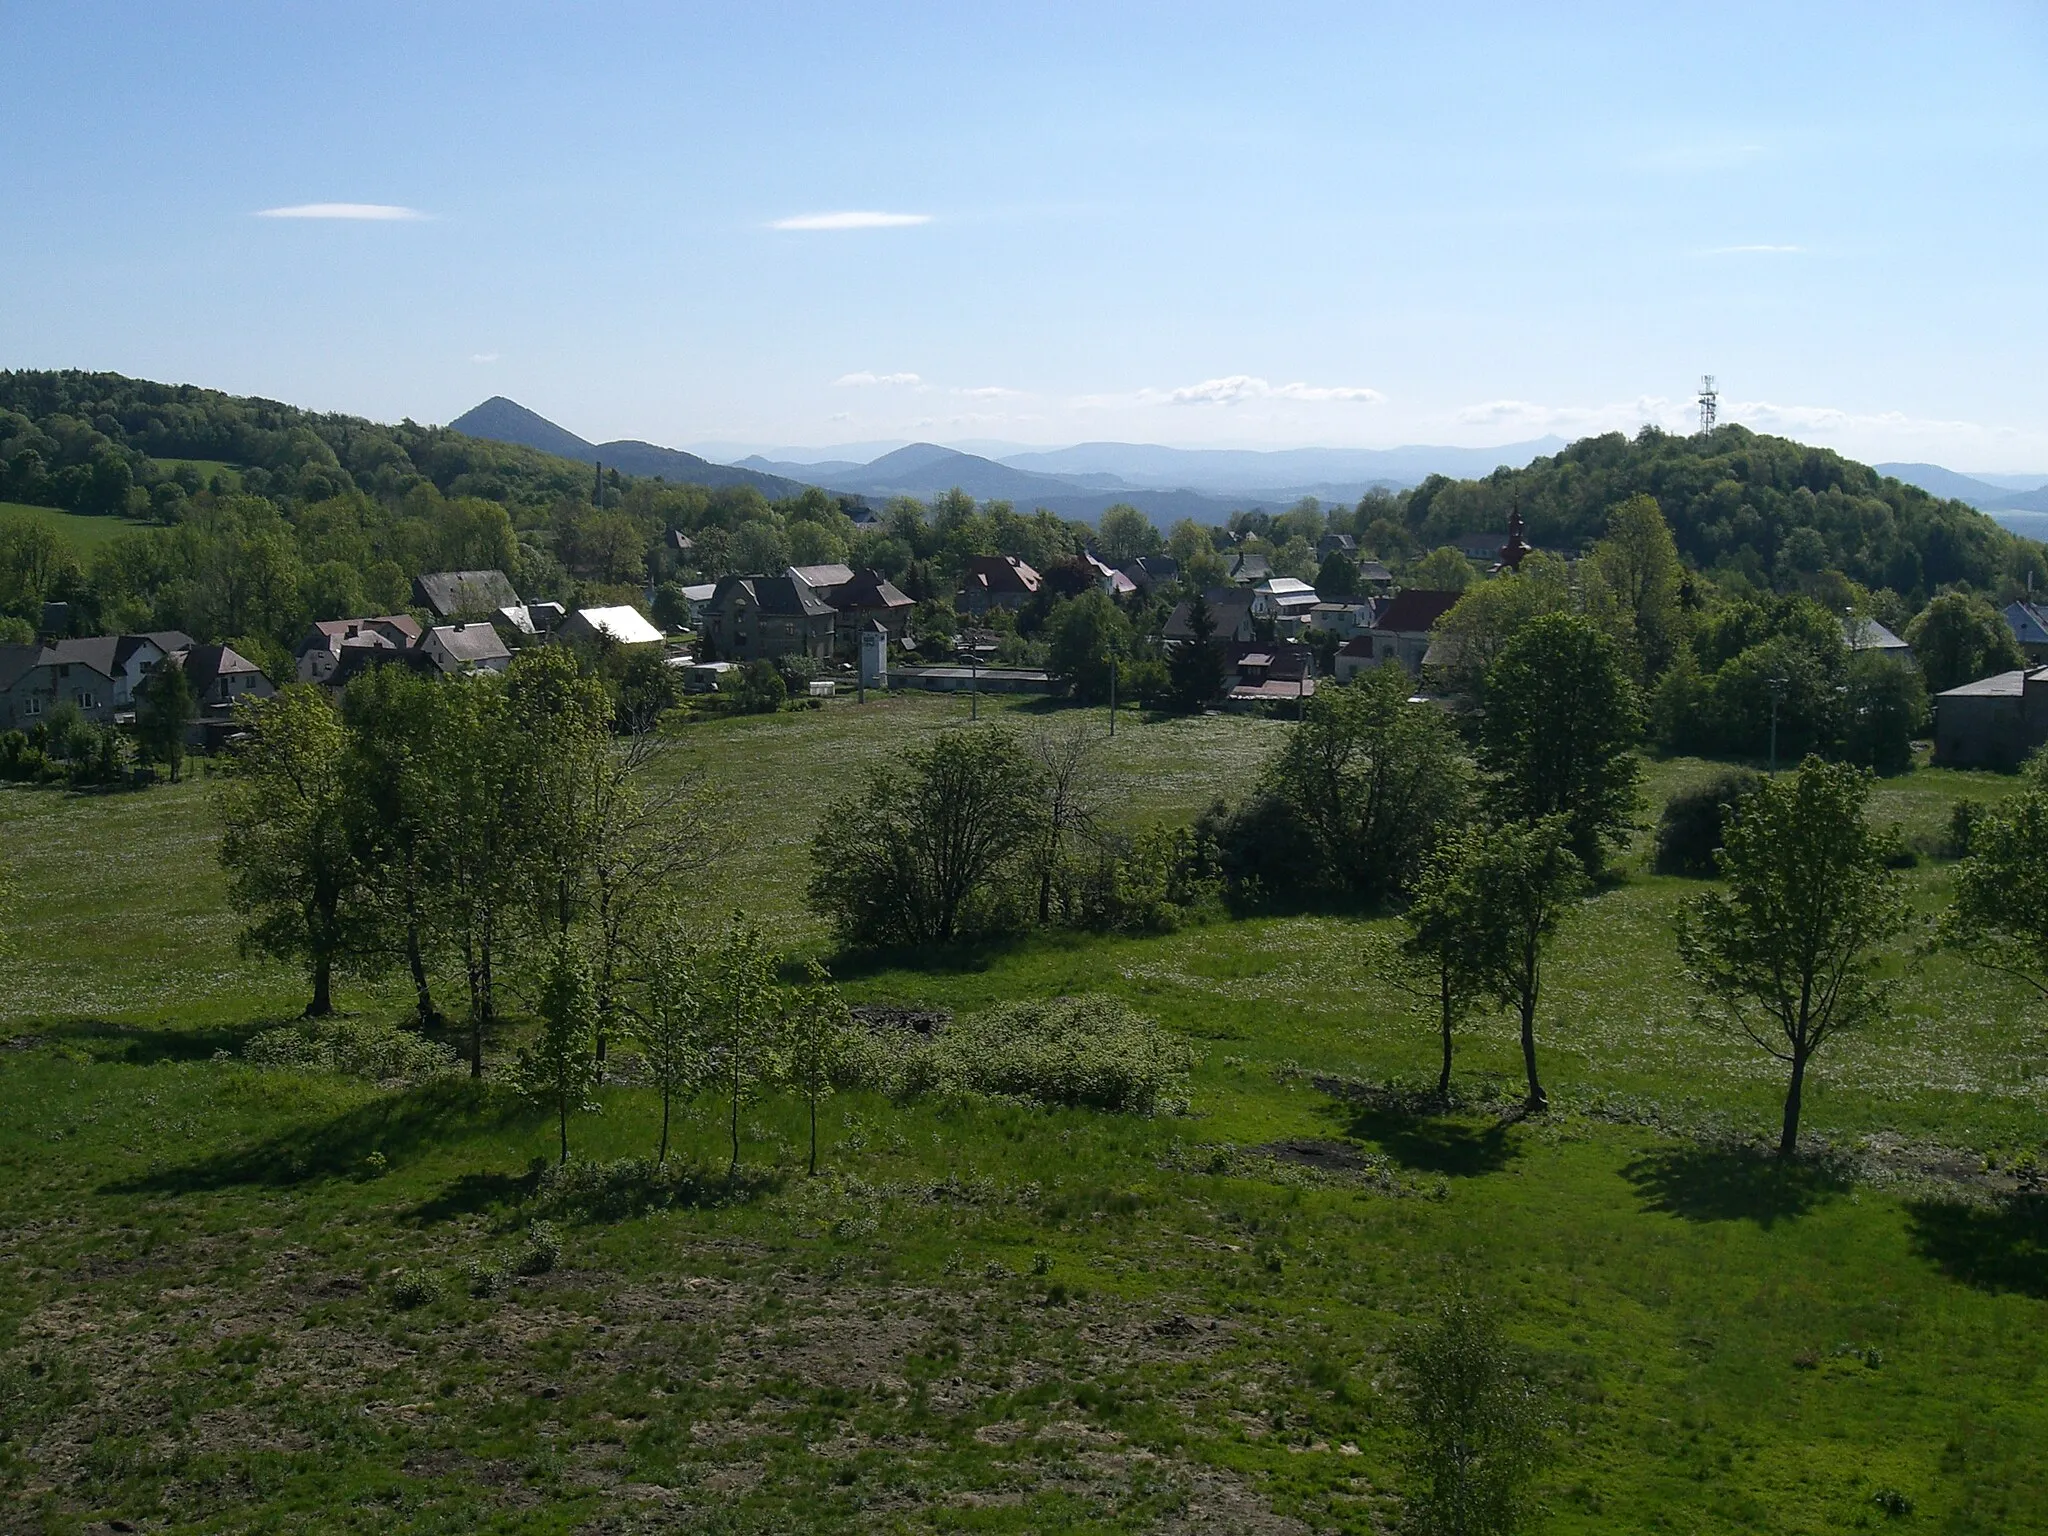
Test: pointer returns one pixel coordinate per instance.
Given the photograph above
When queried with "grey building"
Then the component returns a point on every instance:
(1992, 723)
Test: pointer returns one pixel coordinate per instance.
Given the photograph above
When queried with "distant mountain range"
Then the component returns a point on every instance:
(1987, 493)
(1079, 482)
(507, 421)
(1206, 484)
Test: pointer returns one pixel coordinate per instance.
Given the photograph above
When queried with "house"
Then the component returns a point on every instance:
(1336, 544)
(1994, 722)
(621, 626)
(679, 543)
(1344, 620)
(460, 649)
(222, 677)
(1108, 577)
(1480, 546)
(1374, 574)
(696, 598)
(355, 660)
(2029, 625)
(1287, 601)
(1863, 634)
(997, 581)
(37, 678)
(754, 617)
(868, 598)
(1149, 571)
(822, 579)
(1230, 615)
(1400, 631)
(527, 621)
(1267, 672)
(463, 594)
(320, 651)
(1248, 570)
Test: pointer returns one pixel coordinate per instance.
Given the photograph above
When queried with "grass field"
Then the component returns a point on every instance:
(990, 1318)
(84, 534)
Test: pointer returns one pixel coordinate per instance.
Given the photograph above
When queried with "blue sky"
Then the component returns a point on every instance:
(1270, 225)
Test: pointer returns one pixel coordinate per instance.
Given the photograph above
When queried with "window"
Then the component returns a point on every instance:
(35, 705)
(86, 700)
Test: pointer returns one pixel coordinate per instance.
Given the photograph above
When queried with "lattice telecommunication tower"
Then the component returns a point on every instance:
(1710, 402)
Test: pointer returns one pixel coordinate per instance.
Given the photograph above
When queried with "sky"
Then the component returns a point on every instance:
(1352, 225)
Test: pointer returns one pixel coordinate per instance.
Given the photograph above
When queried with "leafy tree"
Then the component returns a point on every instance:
(1441, 570)
(165, 710)
(292, 869)
(1475, 1426)
(1372, 779)
(399, 807)
(818, 1030)
(743, 1024)
(1788, 951)
(1439, 959)
(1560, 731)
(1695, 819)
(1337, 577)
(559, 1068)
(482, 851)
(1070, 780)
(673, 1027)
(916, 856)
(1998, 916)
(1638, 561)
(1958, 639)
(1195, 668)
(1125, 533)
(1087, 634)
(1885, 706)
(759, 689)
(1481, 623)
(1529, 878)
(1194, 551)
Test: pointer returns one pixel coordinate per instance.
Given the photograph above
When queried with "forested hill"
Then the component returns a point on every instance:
(1737, 502)
(507, 421)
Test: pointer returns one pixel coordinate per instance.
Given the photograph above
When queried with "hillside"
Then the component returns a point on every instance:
(507, 421)
(1739, 503)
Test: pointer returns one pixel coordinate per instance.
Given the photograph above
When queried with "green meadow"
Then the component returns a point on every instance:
(235, 1298)
(84, 534)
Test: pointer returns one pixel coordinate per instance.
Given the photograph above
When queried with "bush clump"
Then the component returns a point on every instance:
(601, 1191)
(1079, 1052)
(352, 1047)
(1695, 820)
(542, 1250)
(415, 1288)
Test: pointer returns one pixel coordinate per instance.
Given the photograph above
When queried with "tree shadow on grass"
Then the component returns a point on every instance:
(1418, 1132)
(143, 1045)
(965, 957)
(1733, 1184)
(473, 1193)
(396, 1125)
(2001, 1247)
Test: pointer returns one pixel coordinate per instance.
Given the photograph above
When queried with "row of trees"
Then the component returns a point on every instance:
(432, 826)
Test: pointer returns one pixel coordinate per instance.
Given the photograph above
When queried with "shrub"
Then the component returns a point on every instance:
(484, 1278)
(1962, 823)
(352, 1047)
(542, 1250)
(1689, 832)
(599, 1191)
(415, 1288)
(759, 689)
(1082, 1052)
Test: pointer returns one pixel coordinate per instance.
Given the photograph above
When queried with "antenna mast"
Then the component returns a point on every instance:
(1710, 402)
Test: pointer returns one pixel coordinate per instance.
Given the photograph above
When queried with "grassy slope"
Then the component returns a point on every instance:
(195, 1321)
(85, 534)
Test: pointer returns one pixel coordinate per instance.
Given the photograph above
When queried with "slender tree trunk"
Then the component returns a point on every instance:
(1788, 1139)
(661, 1157)
(1531, 981)
(562, 1120)
(1443, 1082)
(323, 987)
(732, 1169)
(814, 1135)
(417, 961)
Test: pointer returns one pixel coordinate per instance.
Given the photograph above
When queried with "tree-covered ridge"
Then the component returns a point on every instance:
(1741, 505)
(92, 442)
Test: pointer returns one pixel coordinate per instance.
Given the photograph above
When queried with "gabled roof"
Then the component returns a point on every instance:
(1247, 567)
(1414, 610)
(1286, 586)
(207, 664)
(95, 651)
(775, 594)
(1374, 571)
(17, 661)
(869, 589)
(623, 624)
(1227, 608)
(1002, 574)
(1869, 635)
(470, 644)
(2010, 685)
(449, 593)
(822, 578)
(2029, 624)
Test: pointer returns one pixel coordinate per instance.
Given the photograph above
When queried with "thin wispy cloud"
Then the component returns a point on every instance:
(1240, 387)
(381, 213)
(989, 392)
(851, 218)
(483, 357)
(865, 379)
(1758, 250)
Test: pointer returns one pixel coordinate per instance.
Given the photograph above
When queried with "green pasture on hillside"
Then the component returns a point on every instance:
(990, 1317)
(84, 534)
